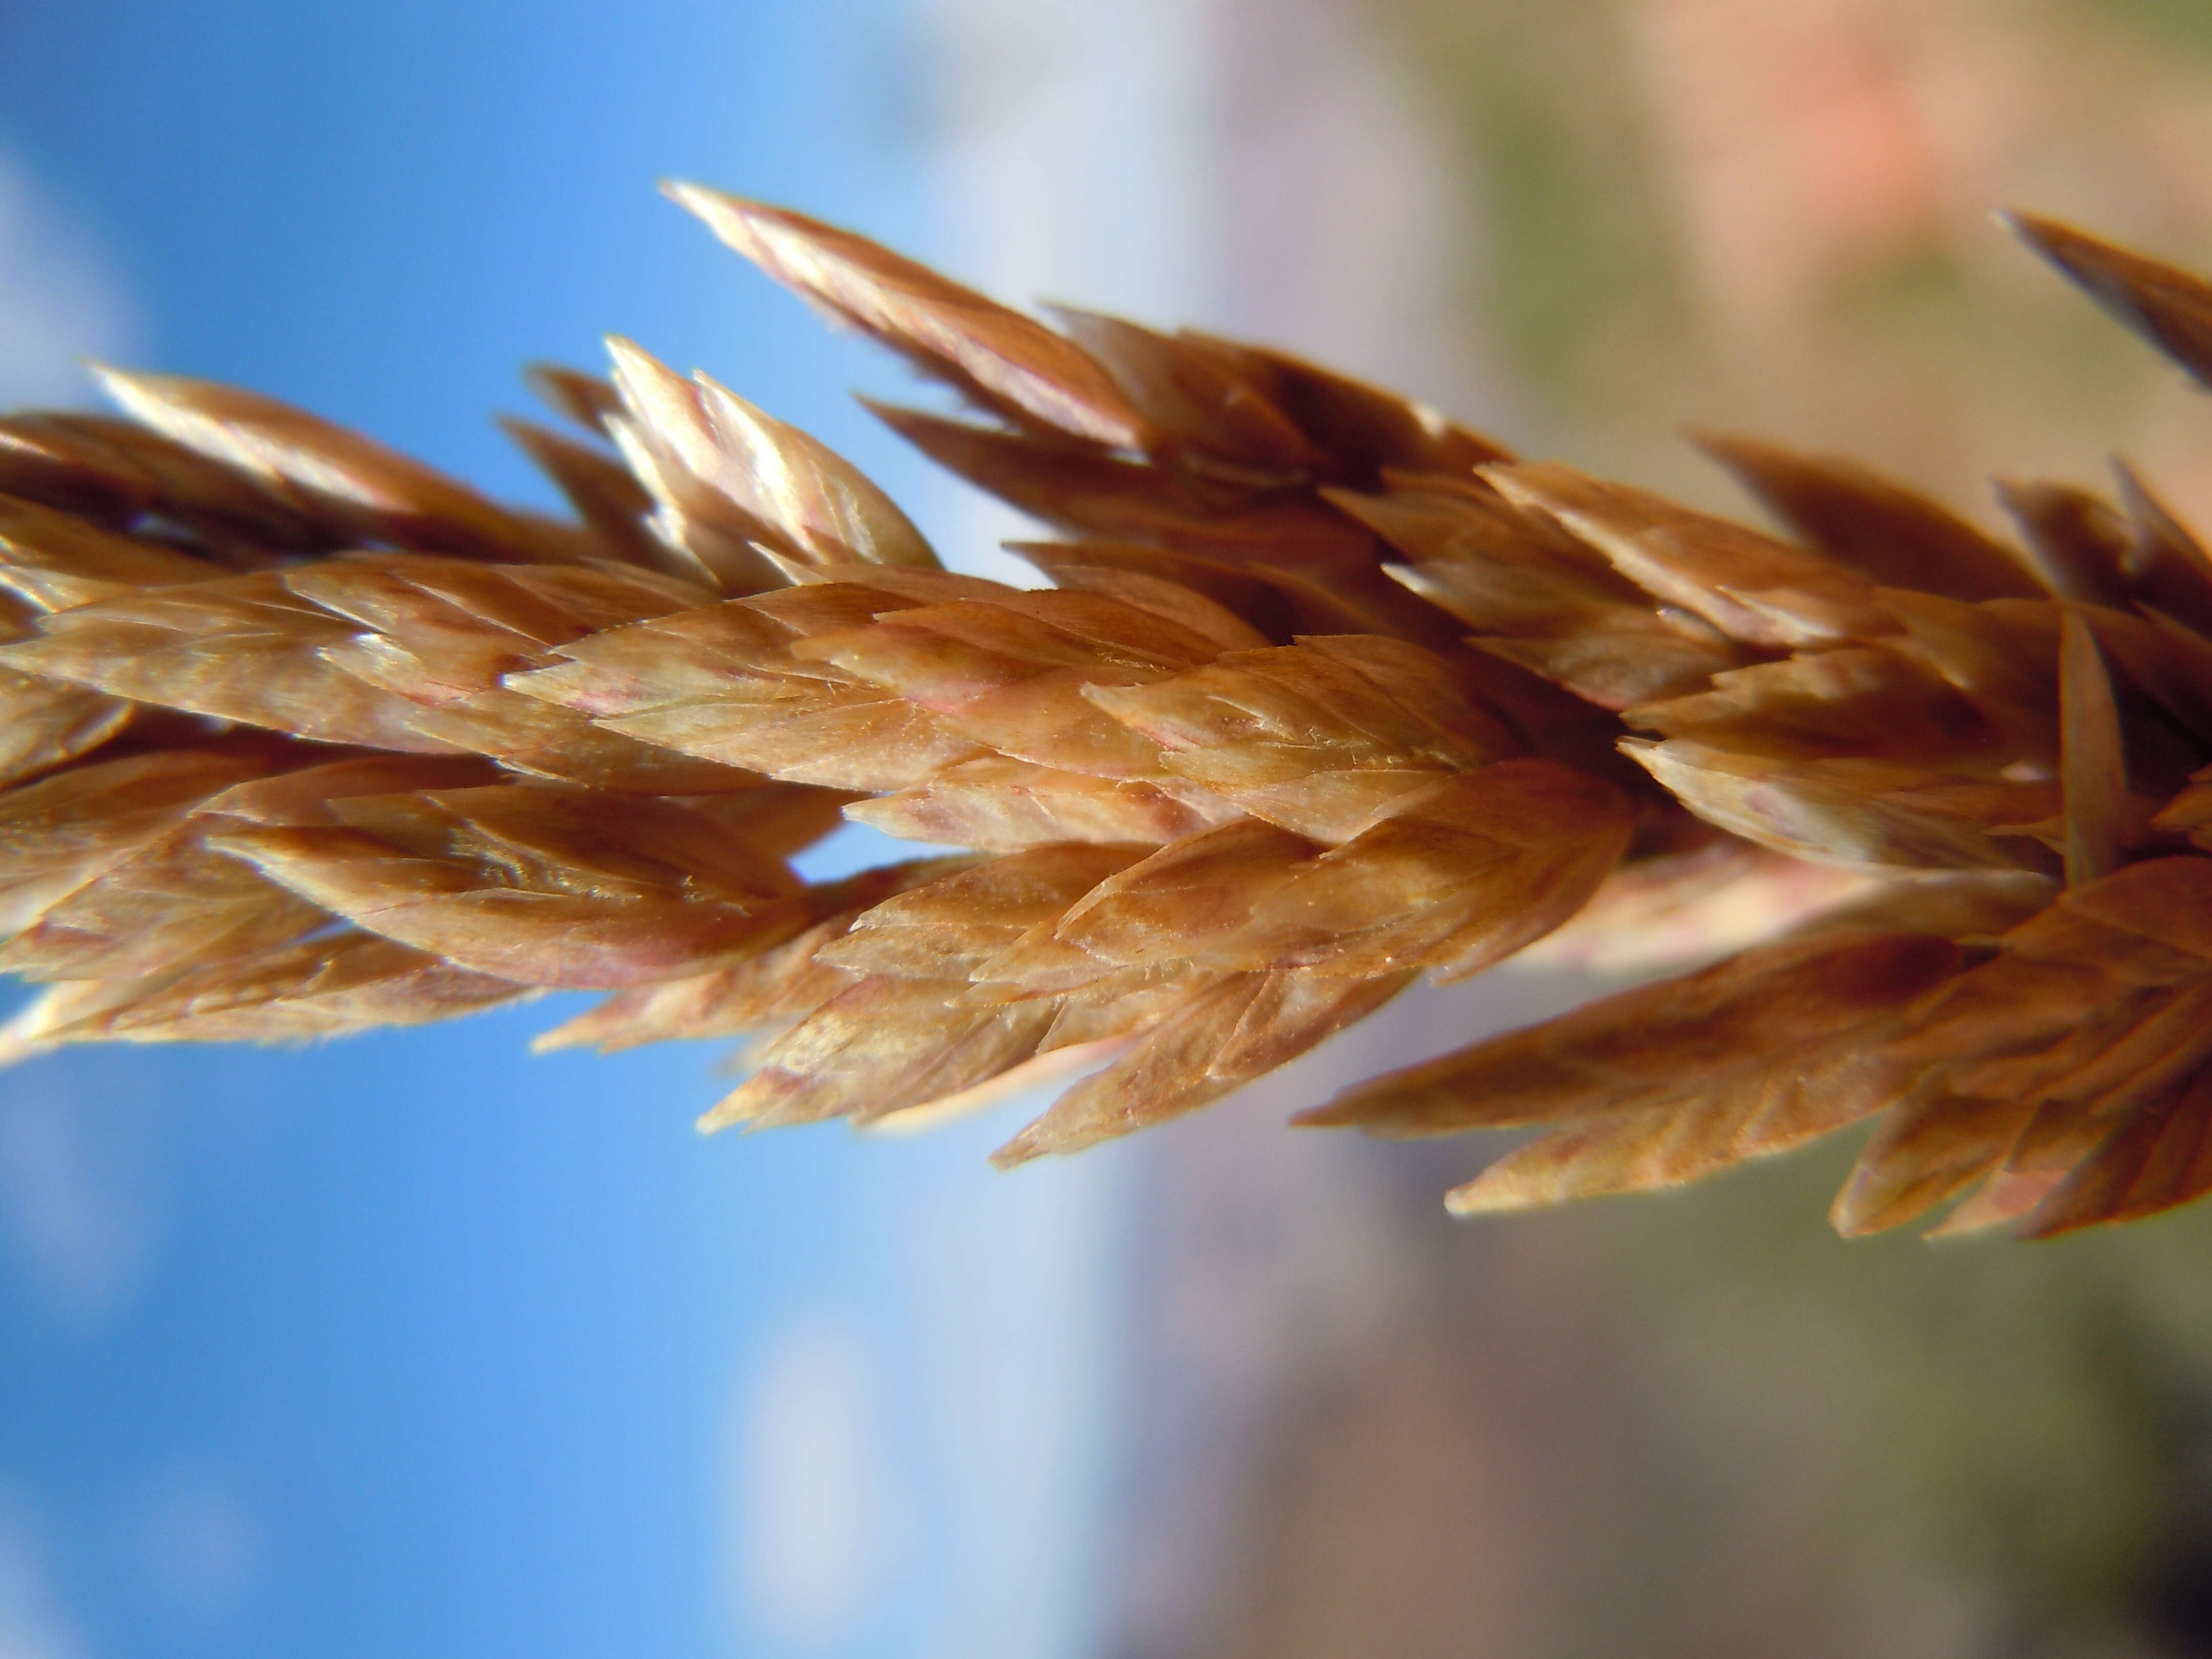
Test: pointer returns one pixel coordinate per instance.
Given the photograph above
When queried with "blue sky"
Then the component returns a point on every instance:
(416, 1343)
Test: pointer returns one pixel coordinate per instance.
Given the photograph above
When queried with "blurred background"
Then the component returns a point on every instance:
(421, 1344)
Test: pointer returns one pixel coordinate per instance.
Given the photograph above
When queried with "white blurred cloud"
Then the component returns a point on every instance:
(814, 1495)
(1019, 1281)
(32, 1625)
(198, 1545)
(61, 301)
(79, 1215)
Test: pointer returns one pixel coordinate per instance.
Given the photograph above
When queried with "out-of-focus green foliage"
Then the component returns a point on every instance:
(2037, 1418)
(2173, 22)
(1576, 273)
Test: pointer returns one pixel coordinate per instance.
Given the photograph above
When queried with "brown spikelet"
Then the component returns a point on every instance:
(762, 992)
(236, 648)
(1004, 361)
(903, 1029)
(364, 491)
(1859, 519)
(334, 986)
(540, 883)
(2093, 770)
(1772, 1007)
(2170, 307)
(2168, 568)
(1534, 594)
(302, 737)
(739, 491)
(586, 401)
(1002, 805)
(1758, 592)
(604, 493)
(1237, 1029)
(120, 474)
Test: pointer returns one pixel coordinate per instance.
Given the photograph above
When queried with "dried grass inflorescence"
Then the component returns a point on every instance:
(1327, 694)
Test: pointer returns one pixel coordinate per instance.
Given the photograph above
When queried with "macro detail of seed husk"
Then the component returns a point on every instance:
(1324, 694)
